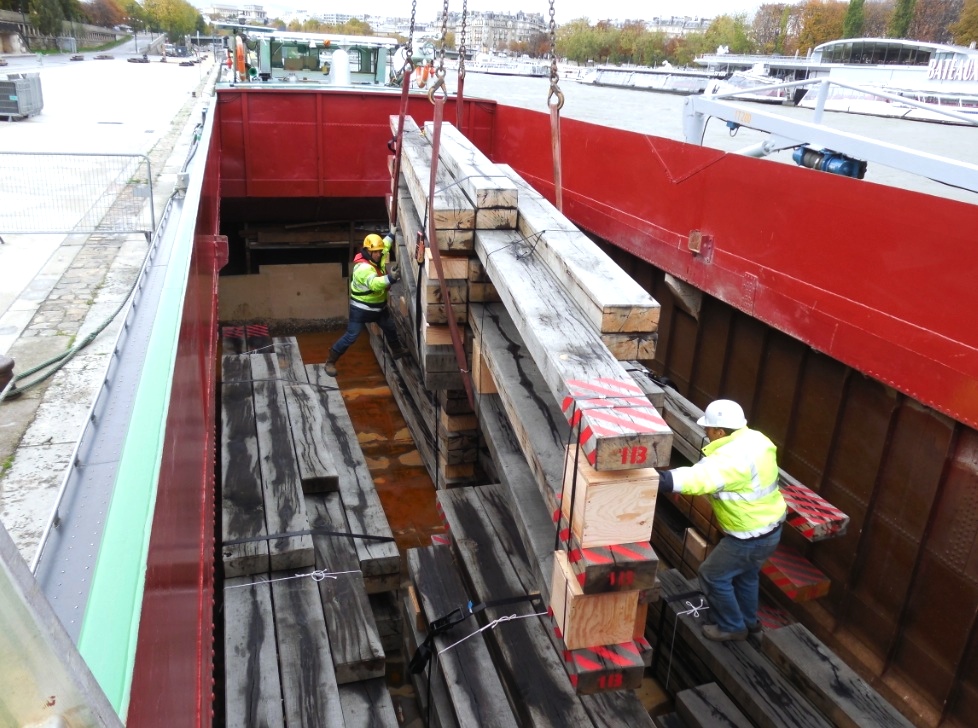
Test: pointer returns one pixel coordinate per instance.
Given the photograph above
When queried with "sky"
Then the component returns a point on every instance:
(565, 10)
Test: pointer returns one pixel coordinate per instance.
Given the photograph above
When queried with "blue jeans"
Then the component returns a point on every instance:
(729, 579)
(359, 318)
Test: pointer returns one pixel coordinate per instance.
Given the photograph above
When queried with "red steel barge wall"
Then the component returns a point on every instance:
(173, 674)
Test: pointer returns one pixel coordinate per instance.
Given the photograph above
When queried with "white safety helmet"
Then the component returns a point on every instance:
(723, 413)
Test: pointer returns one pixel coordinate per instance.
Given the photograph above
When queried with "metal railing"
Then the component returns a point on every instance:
(53, 193)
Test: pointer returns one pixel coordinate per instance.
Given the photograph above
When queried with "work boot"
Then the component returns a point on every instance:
(331, 363)
(712, 632)
(755, 628)
(397, 350)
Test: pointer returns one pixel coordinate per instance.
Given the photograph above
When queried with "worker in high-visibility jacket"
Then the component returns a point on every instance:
(370, 282)
(739, 472)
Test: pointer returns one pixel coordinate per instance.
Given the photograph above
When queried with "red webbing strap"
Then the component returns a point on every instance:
(460, 101)
(555, 147)
(398, 142)
(439, 102)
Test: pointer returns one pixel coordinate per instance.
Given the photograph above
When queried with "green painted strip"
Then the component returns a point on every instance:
(110, 627)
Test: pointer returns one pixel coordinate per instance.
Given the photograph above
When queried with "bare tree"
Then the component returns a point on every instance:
(932, 20)
(876, 16)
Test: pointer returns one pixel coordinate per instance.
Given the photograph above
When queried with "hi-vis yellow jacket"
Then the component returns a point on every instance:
(740, 474)
(369, 283)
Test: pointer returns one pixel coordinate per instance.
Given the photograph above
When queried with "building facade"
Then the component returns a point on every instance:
(489, 31)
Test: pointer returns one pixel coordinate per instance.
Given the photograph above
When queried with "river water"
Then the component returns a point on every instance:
(661, 115)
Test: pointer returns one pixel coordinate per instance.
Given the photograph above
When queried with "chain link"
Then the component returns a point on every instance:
(440, 71)
(409, 46)
(461, 45)
(554, 76)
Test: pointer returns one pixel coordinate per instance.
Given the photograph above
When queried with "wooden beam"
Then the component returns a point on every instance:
(309, 694)
(450, 207)
(379, 560)
(827, 681)
(242, 506)
(367, 704)
(707, 706)
(619, 428)
(610, 299)
(317, 471)
(285, 510)
(481, 180)
(252, 691)
(476, 693)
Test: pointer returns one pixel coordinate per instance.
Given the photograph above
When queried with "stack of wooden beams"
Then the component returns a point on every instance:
(570, 315)
(783, 677)
(301, 641)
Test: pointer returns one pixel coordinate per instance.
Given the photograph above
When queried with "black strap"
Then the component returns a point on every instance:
(310, 532)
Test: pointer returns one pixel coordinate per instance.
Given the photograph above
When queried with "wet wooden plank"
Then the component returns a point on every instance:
(707, 706)
(379, 560)
(620, 429)
(353, 635)
(252, 693)
(435, 705)
(285, 510)
(609, 298)
(367, 704)
(827, 681)
(242, 504)
(531, 661)
(474, 688)
(309, 691)
(758, 688)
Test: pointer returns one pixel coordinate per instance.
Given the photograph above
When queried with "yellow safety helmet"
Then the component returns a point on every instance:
(373, 243)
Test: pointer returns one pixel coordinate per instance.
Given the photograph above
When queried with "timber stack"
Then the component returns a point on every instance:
(517, 273)
(309, 560)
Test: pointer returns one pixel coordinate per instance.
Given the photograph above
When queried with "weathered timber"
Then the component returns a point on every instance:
(647, 383)
(477, 695)
(379, 560)
(434, 701)
(317, 471)
(610, 299)
(242, 504)
(620, 429)
(481, 180)
(808, 513)
(285, 511)
(387, 617)
(232, 340)
(669, 720)
(252, 693)
(533, 516)
(794, 575)
(482, 379)
(409, 218)
(626, 347)
(588, 620)
(610, 568)
(827, 681)
(367, 704)
(537, 421)
(353, 634)
(764, 695)
(604, 668)
(450, 208)
(530, 657)
(707, 706)
(309, 693)
(458, 288)
(257, 340)
(606, 508)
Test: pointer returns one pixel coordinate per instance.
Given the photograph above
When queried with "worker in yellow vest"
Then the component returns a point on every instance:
(739, 472)
(370, 282)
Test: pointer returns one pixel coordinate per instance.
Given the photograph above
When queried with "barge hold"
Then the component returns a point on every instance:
(842, 347)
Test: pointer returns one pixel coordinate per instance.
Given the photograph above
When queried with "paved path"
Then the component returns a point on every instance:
(56, 289)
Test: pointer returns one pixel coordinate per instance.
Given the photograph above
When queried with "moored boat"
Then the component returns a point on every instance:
(664, 79)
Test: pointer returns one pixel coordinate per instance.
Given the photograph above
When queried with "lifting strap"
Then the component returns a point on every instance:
(439, 103)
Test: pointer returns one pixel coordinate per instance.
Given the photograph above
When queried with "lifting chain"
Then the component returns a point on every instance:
(554, 77)
(461, 42)
(555, 100)
(440, 71)
(409, 46)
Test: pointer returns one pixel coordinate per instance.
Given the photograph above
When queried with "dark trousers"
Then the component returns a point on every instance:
(359, 318)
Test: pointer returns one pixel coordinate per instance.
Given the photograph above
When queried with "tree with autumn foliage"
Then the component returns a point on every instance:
(965, 31)
(932, 20)
(876, 17)
(774, 29)
(104, 13)
(732, 31)
(820, 22)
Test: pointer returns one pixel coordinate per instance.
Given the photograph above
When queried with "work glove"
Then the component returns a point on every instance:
(393, 276)
(665, 482)
(391, 237)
